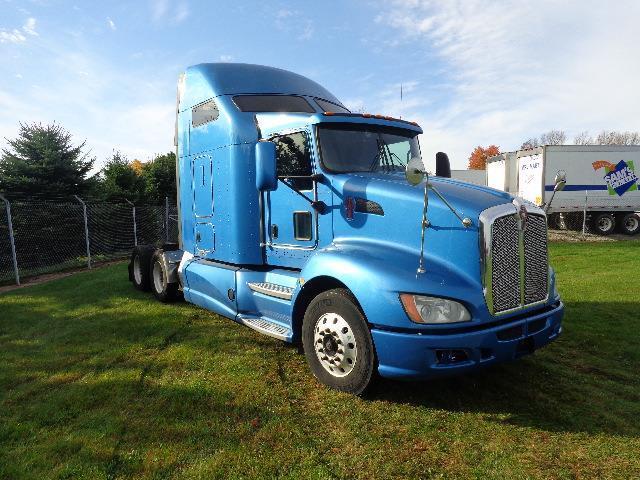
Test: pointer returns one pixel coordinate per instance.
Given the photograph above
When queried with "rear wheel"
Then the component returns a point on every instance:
(604, 223)
(139, 267)
(337, 342)
(630, 224)
(163, 290)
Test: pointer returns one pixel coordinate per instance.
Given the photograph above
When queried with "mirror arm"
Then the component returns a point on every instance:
(317, 205)
(466, 222)
(423, 226)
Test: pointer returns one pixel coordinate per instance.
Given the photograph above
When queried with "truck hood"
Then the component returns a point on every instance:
(383, 209)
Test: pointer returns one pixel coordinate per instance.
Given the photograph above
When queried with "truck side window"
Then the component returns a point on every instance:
(204, 113)
(293, 157)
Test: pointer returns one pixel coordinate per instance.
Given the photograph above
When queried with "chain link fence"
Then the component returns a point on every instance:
(595, 217)
(39, 236)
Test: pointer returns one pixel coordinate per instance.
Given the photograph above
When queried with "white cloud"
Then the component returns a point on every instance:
(516, 69)
(294, 22)
(29, 26)
(182, 12)
(159, 9)
(18, 35)
(226, 58)
(170, 11)
(307, 31)
(111, 23)
(95, 100)
(13, 36)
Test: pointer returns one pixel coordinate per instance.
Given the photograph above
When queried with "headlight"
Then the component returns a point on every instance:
(422, 309)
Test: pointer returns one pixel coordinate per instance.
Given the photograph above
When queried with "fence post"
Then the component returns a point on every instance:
(11, 238)
(584, 213)
(135, 226)
(86, 229)
(166, 219)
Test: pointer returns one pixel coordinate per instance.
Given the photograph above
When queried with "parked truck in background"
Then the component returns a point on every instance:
(477, 177)
(318, 226)
(601, 180)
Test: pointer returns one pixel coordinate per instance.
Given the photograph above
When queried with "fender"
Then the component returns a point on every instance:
(376, 272)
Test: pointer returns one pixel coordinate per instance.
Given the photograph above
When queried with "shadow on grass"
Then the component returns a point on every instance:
(586, 381)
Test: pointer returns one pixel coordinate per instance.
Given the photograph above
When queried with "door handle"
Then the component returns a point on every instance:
(274, 231)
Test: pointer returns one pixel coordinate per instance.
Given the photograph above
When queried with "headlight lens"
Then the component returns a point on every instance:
(423, 309)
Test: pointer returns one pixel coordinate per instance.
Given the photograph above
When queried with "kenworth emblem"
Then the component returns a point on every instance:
(522, 213)
(349, 207)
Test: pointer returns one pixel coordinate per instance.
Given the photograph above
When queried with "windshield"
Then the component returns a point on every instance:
(366, 148)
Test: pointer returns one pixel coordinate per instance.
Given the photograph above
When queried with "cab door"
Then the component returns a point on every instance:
(291, 223)
(204, 234)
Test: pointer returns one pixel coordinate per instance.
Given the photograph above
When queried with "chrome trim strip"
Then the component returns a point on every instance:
(272, 290)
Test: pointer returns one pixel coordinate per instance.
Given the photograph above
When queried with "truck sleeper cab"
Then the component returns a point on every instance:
(297, 220)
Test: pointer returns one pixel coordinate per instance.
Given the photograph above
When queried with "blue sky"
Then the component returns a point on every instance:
(474, 72)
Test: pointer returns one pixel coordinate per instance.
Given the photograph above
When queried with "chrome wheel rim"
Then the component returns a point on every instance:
(158, 277)
(137, 271)
(605, 224)
(631, 224)
(335, 344)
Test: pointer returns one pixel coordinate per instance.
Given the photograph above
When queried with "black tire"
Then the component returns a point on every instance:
(349, 375)
(139, 267)
(164, 291)
(630, 224)
(604, 223)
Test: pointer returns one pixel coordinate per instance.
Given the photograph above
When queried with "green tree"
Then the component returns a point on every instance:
(160, 178)
(119, 180)
(42, 160)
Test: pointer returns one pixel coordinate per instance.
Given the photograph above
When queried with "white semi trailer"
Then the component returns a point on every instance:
(601, 180)
(477, 177)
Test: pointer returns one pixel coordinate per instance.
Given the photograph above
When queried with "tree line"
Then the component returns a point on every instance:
(43, 162)
(480, 155)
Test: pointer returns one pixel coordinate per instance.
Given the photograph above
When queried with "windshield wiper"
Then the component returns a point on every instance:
(376, 157)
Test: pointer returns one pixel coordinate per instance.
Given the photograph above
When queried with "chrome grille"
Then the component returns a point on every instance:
(514, 256)
(536, 269)
(505, 264)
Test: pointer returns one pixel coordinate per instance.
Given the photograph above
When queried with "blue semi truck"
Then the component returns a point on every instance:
(320, 227)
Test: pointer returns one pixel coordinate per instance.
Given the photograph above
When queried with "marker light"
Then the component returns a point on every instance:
(433, 310)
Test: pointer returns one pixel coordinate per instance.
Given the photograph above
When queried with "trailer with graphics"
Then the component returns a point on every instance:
(320, 227)
(601, 180)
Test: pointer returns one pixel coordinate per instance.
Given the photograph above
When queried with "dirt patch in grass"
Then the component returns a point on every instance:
(578, 236)
(47, 277)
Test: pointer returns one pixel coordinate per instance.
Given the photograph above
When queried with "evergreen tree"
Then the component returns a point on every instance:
(43, 161)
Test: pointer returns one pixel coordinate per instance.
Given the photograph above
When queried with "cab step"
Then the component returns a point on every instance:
(272, 290)
(266, 327)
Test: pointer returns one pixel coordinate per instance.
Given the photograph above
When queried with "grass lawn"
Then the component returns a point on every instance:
(98, 380)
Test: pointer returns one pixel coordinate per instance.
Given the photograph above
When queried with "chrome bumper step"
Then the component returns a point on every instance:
(266, 327)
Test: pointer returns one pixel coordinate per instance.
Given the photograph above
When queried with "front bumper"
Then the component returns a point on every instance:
(420, 355)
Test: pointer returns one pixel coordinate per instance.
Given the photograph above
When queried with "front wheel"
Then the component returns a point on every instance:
(337, 342)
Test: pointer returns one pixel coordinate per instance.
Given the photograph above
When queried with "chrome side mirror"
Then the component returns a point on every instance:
(414, 172)
(560, 180)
